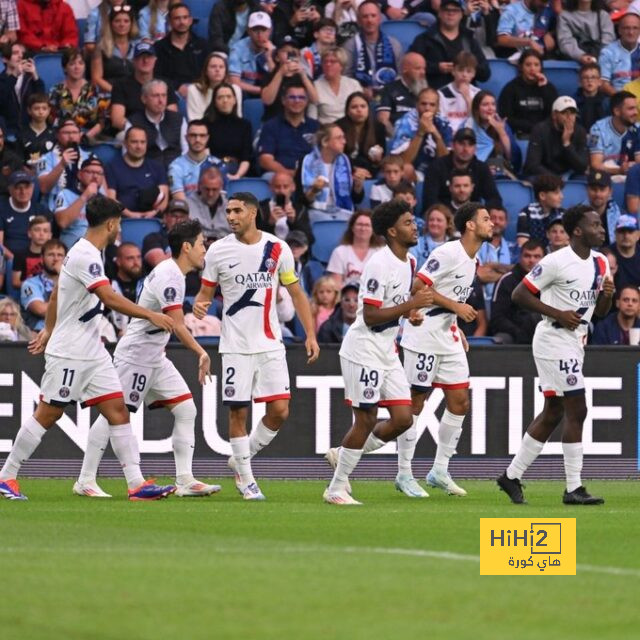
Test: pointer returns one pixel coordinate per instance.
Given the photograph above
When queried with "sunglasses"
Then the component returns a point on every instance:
(125, 8)
(295, 98)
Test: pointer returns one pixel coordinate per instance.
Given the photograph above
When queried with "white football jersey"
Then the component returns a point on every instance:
(566, 282)
(385, 282)
(163, 290)
(450, 270)
(76, 335)
(249, 276)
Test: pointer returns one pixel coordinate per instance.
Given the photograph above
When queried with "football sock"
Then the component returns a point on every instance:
(26, 442)
(530, 449)
(407, 442)
(347, 461)
(448, 435)
(96, 444)
(242, 453)
(125, 446)
(572, 452)
(373, 443)
(183, 439)
(260, 437)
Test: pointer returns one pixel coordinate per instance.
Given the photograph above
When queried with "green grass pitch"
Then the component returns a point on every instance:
(294, 568)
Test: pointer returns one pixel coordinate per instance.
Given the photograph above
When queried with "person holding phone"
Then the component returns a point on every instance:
(296, 19)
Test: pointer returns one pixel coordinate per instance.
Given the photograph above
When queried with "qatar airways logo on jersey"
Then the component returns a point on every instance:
(400, 298)
(256, 280)
(589, 297)
(462, 293)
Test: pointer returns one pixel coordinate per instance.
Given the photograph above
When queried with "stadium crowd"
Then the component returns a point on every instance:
(323, 114)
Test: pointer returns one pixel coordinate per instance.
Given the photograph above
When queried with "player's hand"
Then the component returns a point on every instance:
(416, 317)
(38, 344)
(569, 319)
(162, 321)
(465, 342)
(422, 298)
(204, 368)
(200, 308)
(608, 288)
(313, 350)
(466, 312)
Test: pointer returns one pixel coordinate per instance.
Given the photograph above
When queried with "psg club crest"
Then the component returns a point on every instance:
(229, 392)
(536, 271)
(423, 376)
(270, 264)
(432, 265)
(368, 393)
(372, 285)
(95, 269)
(134, 396)
(170, 294)
(572, 380)
(64, 392)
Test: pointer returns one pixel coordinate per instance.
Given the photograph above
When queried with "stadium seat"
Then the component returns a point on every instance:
(9, 288)
(366, 202)
(501, 73)
(310, 273)
(49, 67)
(524, 146)
(618, 195)
(106, 152)
(563, 75)
(259, 187)
(200, 10)
(575, 192)
(252, 110)
(481, 340)
(136, 229)
(419, 210)
(327, 237)
(404, 31)
(515, 196)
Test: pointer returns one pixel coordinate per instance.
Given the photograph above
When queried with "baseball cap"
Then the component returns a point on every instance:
(465, 133)
(355, 286)
(456, 3)
(598, 179)
(178, 205)
(563, 103)
(298, 238)
(259, 19)
(144, 48)
(92, 159)
(627, 222)
(20, 176)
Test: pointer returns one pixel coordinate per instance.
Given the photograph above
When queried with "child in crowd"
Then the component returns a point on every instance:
(557, 237)
(324, 298)
(592, 104)
(29, 263)
(534, 219)
(392, 172)
(457, 96)
(37, 138)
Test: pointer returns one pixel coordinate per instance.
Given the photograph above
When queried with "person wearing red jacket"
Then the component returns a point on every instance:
(46, 25)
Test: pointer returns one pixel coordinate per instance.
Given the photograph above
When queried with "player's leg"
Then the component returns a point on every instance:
(97, 442)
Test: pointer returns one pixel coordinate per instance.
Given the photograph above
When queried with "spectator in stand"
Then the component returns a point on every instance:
(557, 237)
(334, 328)
(614, 143)
(356, 247)
(496, 144)
(383, 190)
(37, 138)
(365, 136)
(600, 197)
(559, 144)
(296, 20)
(324, 39)
(29, 263)
(12, 327)
(15, 213)
(462, 156)
(127, 281)
(627, 252)
(283, 213)
(126, 98)
(457, 96)
(324, 298)
(228, 23)
(36, 291)
(332, 88)
(9, 23)
(619, 58)
(482, 20)
(284, 140)
(215, 71)
(584, 28)
(46, 25)
(18, 82)
(527, 99)
(510, 323)
(614, 328)
(460, 188)
(111, 59)
(251, 59)
(421, 136)
(442, 42)
(327, 182)
(373, 59)
(76, 99)
(534, 219)
(9, 161)
(438, 229)
(180, 53)
(208, 204)
(97, 24)
(166, 130)
(345, 14)
(152, 20)
(526, 24)
(401, 95)
(611, 259)
(140, 184)
(592, 102)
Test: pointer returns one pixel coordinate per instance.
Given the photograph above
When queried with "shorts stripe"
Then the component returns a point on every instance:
(279, 396)
(394, 403)
(458, 385)
(163, 403)
(99, 399)
(549, 394)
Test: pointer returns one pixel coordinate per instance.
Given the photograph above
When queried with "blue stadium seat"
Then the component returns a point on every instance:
(404, 31)
(136, 229)
(8, 286)
(618, 195)
(515, 196)
(563, 75)
(200, 10)
(81, 23)
(106, 152)
(524, 146)
(252, 110)
(481, 340)
(366, 202)
(501, 73)
(327, 237)
(259, 187)
(49, 67)
(419, 210)
(310, 273)
(575, 192)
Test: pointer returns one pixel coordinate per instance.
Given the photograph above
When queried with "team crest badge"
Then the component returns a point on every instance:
(368, 393)
(95, 269)
(423, 376)
(229, 392)
(572, 380)
(134, 396)
(432, 265)
(372, 285)
(64, 392)
(536, 271)
(170, 294)
(270, 264)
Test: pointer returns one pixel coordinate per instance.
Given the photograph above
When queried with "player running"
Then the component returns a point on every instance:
(371, 368)
(78, 367)
(248, 265)
(573, 283)
(147, 375)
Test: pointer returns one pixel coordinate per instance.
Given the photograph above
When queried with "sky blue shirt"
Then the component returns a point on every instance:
(247, 64)
(603, 138)
(616, 64)
(79, 226)
(184, 173)
(36, 288)
(144, 24)
(46, 165)
(519, 21)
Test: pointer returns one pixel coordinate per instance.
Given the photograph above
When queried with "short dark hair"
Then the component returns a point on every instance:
(618, 98)
(460, 173)
(465, 60)
(529, 53)
(36, 98)
(633, 287)
(294, 84)
(100, 209)
(532, 245)
(572, 217)
(589, 66)
(37, 220)
(404, 187)
(178, 5)
(546, 182)
(197, 123)
(385, 215)
(134, 128)
(185, 231)
(465, 213)
(69, 55)
(52, 244)
(246, 197)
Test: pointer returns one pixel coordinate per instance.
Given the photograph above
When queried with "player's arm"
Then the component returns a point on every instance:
(184, 335)
(461, 309)
(523, 297)
(303, 309)
(203, 300)
(603, 303)
(38, 344)
(373, 313)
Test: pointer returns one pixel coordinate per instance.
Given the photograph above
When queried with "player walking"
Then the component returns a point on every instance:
(573, 283)
(371, 368)
(145, 372)
(78, 367)
(248, 265)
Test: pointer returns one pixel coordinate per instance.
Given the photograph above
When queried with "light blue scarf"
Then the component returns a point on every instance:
(313, 166)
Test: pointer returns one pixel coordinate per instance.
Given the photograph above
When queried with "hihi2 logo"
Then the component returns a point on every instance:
(528, 546)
